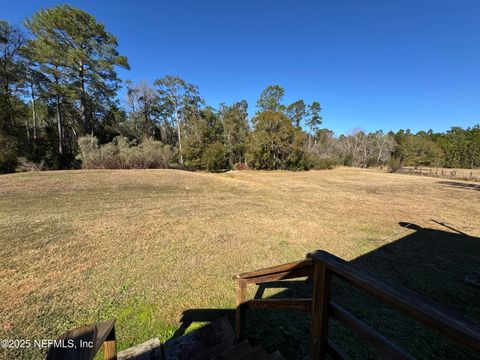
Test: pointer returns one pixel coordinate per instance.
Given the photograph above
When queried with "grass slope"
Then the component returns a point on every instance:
(146, 245)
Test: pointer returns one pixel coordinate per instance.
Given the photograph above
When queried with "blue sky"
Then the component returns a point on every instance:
(372, 64)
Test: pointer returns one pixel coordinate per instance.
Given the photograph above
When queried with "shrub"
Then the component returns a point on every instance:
(157, 155)
(24, 165)
(94, 156)
(371, 162)
(123, 154)
(395, 164)
(319, 163)
(215, 157)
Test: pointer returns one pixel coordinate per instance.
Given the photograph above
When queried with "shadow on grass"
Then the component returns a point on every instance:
(461, 185)
(431, 262)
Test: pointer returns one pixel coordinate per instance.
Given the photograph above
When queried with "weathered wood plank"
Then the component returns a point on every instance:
(380, 343)
(280, 304)
(240, 309)
(149, 350)
(82, 335)
(289, 274)
(241, 348)
(196, 342)
(410, 303)
(276, 269)
(103, 331)
(110, 346)
(214, 351)
(322, 278)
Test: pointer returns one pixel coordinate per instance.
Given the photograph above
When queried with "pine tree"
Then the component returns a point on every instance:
(79, 56)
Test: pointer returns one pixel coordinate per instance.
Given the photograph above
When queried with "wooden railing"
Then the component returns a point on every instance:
(321, 265)
(84, 342)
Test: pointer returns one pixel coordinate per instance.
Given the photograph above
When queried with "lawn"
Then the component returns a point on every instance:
(457, 174)
(145, 246)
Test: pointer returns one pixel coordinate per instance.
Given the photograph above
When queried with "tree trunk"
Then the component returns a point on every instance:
(60, 129)
(83, 108)
(145, 115)
(34, 119)
(179, 135)
(59, 116)
(28, 130)
(9, 107)
(34, 116)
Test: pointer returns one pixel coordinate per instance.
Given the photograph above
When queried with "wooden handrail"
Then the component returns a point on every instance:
(84, 342)
(321, 266)
(284, 268)
(406, 301)
(290, 270)
(280, 304)
(380, 343)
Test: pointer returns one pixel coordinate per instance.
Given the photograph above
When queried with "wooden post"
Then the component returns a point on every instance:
(240, 309)
(110, 346)
(322, 278)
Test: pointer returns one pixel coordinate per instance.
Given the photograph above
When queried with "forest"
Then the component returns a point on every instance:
(60, 109)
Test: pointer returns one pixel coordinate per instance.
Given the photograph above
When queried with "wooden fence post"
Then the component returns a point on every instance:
(322, 279)
(110, 346)
(240, 309)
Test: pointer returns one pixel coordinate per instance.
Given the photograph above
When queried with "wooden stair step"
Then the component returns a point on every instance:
(277, 355)
(218, 331)
(257, 353)
(199, 341)
(149, 350)
(214, 351)
(240, 348)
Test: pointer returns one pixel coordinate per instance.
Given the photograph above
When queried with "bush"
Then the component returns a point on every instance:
(149, 154)
(123, 154)
(24, 165)
(319, 163)
(395, 164)
(215, 157)
(94, 156)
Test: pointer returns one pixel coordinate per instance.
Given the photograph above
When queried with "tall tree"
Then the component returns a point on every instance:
(198, 131)
(271, 99)
(297, 112)
(235, 130)
(314, 120)
(354, 147)
(380, 146)
(143, 101)
(12, 76)
(179, 98)
(78, 53)
(12, 72)
(417, 149)
(275, 143)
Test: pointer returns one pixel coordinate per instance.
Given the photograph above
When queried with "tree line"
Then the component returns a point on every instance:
(59, 109)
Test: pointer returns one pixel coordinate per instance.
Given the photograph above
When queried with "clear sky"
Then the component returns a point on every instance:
(372, 64)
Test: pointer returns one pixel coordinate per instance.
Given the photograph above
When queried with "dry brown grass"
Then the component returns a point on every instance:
(145, 245)
(447, 173)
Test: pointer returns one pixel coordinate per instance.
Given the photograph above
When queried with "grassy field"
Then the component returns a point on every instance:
(145, 246)
(455, 173)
